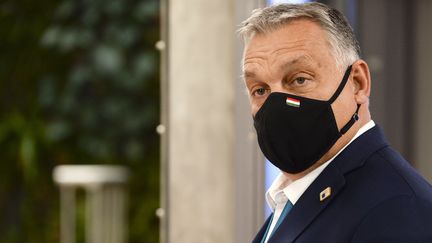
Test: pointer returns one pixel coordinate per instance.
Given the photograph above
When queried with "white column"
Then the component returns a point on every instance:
(249, 161)
(201, 84)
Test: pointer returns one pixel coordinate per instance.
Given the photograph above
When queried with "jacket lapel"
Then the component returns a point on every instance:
(260, 235)
(308, 207)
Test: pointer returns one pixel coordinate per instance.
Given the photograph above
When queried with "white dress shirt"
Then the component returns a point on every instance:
(283, 189)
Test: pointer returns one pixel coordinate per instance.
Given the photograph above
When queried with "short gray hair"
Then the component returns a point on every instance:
(341, 38)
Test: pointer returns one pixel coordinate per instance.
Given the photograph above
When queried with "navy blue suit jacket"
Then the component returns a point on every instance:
(376, 197)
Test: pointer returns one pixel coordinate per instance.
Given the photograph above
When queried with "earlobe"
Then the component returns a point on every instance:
(362, 81)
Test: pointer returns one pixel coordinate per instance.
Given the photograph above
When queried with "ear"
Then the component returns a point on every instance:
(361, 79)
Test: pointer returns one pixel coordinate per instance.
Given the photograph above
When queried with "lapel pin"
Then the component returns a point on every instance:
(325, 194)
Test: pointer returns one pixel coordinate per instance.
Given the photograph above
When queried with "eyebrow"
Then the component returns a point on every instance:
(305, 60)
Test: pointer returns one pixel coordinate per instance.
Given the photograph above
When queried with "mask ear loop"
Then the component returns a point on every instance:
(336, 94)
(341, 85)
(351, 122)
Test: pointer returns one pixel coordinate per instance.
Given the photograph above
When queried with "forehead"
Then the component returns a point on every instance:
(297, 38)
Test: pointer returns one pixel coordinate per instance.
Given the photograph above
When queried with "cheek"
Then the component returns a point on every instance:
(254, 109)
(256, 103)
(255, 106)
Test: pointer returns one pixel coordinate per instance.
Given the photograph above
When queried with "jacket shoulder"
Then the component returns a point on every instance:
(398, 219)
(402, 209)
(409, 181)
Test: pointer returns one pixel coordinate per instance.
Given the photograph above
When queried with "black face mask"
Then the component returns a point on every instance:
(294, 132)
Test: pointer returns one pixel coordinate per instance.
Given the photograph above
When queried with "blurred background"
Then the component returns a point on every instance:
(154, 86)
(79, 84)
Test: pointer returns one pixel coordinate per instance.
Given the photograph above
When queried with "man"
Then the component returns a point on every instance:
(309, 91)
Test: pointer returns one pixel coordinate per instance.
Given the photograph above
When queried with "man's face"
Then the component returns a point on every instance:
(296, 59)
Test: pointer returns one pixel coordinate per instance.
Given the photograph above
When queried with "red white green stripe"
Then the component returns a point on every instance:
(293, 102)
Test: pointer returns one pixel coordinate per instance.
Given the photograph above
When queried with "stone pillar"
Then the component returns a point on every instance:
(200, 121)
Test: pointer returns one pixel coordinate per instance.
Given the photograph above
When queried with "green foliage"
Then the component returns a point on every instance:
(79, 83)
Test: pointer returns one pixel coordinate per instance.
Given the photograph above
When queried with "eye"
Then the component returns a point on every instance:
(259, 92)
(300, 81)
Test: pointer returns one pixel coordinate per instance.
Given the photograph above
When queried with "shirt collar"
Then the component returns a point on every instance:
(294, 189)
